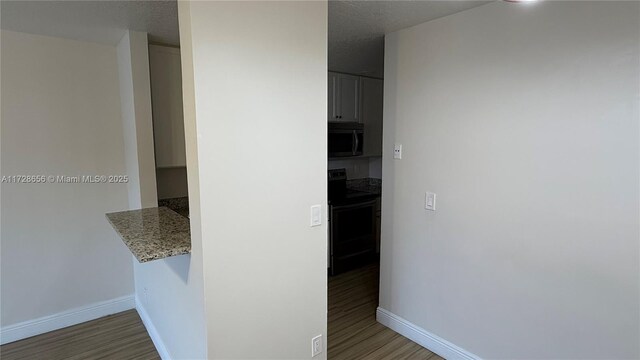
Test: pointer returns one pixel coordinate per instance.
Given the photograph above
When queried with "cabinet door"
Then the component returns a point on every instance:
(372, 99)
(166, 102)
(332, 87)
(349, 98)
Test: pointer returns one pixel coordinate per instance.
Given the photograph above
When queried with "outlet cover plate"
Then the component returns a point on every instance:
(316, 345)
(397, 151)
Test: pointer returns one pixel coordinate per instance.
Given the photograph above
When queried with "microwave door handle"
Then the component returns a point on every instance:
(353, 143)
(356, 142)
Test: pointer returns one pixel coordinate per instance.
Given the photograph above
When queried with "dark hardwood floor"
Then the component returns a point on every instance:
(119, 336)
(353, 332)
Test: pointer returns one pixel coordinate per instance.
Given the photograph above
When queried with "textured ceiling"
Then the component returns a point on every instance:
(96, 21)
(356, 28)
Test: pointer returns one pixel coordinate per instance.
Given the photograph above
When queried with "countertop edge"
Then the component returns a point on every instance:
(147, 256)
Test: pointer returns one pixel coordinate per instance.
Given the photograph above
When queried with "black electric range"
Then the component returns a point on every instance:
(339, 194)
(352, 225)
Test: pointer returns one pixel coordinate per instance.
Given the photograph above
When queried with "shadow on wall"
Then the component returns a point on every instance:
(387, 228)
(180, 266)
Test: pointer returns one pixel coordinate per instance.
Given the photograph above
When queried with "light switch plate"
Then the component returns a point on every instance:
(316, 346)
(430, 201)
(316, 215)
(397, 151)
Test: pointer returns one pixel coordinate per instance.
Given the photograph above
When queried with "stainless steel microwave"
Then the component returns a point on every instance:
(345, 139)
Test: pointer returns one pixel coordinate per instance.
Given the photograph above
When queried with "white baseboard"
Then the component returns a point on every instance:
(153, 332)
(63, 319)
(421, 336)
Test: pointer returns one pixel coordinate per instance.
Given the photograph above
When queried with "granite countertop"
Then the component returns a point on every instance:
(370, 185)
(153, 233)
(179, 205)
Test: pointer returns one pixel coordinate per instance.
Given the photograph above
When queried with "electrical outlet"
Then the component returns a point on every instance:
(397, 151)
(146, 295)
(316, 345)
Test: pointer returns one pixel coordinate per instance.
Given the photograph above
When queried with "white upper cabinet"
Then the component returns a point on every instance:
(344, 98)
(372, 95)
(166, 100)
(349, 98)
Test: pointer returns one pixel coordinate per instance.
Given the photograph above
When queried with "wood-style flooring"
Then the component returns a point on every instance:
(120, 336)
(353, 332)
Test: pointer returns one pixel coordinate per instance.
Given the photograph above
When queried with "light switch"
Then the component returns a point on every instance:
(430, 201)
(397, 151)
(316, 215)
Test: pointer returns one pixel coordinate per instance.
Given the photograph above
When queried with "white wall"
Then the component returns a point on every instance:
(258, 90)
(169, 292)
(60, 116)
(357, 168)
(137, 121)
(170, 299)
(524, 120)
